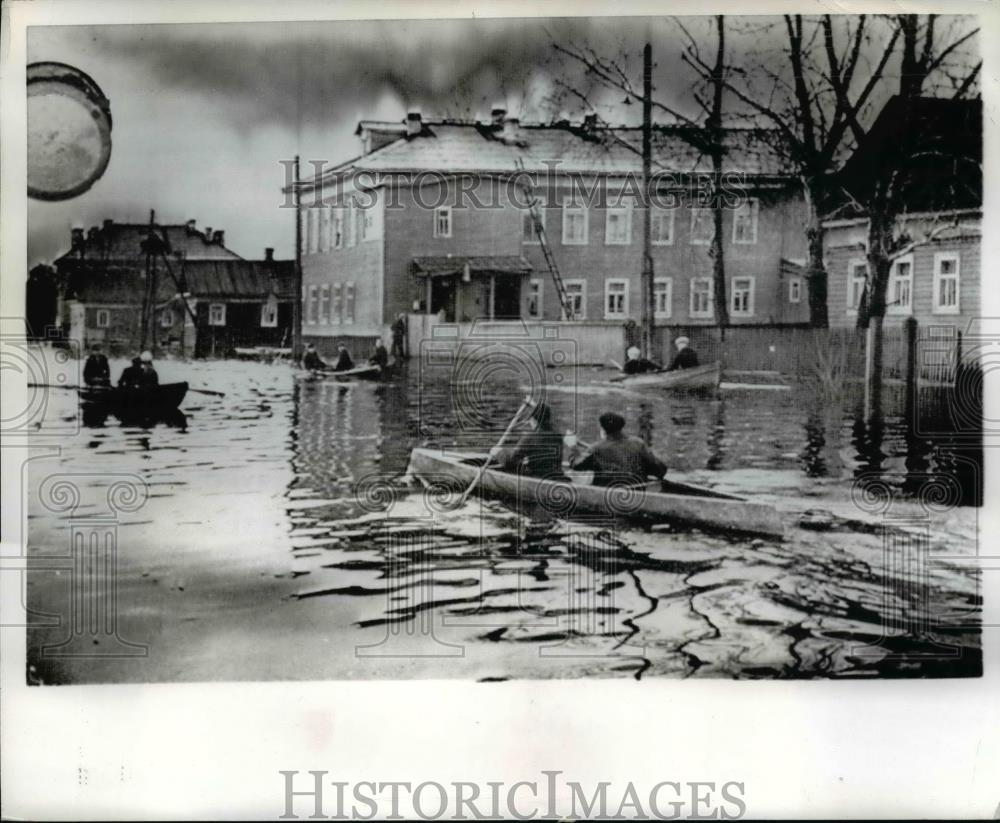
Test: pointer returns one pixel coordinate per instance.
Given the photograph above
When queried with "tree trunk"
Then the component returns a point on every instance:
(815, 268)
(718, 264)
(879, 265)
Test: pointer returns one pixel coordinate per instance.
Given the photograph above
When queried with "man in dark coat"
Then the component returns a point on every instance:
(312, 361)
(344, 362)
(131, 375)
(96, 371)
(539, 451)
(686, 358)
(147, 377)
(380, 357)
(399, 336)
(618, 459)
(636, 364)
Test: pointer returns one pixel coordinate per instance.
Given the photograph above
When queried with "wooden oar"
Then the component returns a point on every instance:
(486, 462)
(74, 387)
(208, 391)
(614, 365)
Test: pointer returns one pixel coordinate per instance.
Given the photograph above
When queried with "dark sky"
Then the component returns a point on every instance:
(203, 114)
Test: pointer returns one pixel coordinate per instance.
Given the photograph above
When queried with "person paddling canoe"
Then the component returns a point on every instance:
(618, 459)
(344, 362)
(312, 361)
(636, 364)
(686, 357)
(539, 451)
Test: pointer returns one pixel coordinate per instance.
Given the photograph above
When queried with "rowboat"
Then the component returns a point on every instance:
(660, 500)
(149, 401)
(697, 379)
(366, 372)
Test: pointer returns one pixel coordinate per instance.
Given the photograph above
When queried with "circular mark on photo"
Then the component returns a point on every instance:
(69, 131)
(557, 498)
(375, 493)
(624, 498)
(871, 494)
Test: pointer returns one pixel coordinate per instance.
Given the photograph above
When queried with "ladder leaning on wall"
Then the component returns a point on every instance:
(539, 226)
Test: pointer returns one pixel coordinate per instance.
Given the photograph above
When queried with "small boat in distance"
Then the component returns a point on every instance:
(700, 378)
(366, 372)
(660, 500)
(151, 401)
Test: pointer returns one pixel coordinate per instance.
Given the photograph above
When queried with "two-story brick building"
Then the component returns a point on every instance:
(432, 218)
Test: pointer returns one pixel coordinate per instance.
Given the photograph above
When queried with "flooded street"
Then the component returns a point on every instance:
(280, 540)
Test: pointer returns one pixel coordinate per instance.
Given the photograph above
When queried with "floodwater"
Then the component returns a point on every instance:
(276, 537)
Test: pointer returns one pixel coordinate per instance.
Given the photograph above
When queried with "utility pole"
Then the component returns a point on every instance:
(648, 296)
(297, 305)
(150, 294)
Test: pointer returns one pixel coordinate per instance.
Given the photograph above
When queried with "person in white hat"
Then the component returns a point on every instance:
(147, 376)
(686, 357)
(635, 363)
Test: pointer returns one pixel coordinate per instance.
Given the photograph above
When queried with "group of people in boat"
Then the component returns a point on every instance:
(140, 374)
(686, 358)
(618, 459)
(312, 361)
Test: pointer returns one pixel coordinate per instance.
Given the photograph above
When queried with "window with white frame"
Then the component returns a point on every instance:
(313, 230)
(442, 222)
(324, 304)
(745, 222)
(663, 297)
(615, 298)
(535, 292)
(528, 232)
(662, 226)
(946, 283)
(363, 218)
(742, 298)
(337, 231)
(857, 276)
(795, 290)
(167, 318)
(312, 315)
(337, 304)
(217, 314)
(269, 314)
(618, 226)
(574, 224)
(324, 230)
(576, 291)
(900, 297)
(348, 302)
(702, 226)
(702, 302)
(103, 319)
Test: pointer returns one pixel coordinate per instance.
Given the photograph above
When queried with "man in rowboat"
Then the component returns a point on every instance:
(618, 459)
(539, 451)
(130, 375)
(96, 371)
(147, 377)
(344, 362)
(686, 357)
(636, 364)
(312, 361)
(380, 357)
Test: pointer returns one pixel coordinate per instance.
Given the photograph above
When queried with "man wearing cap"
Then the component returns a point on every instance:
(312, 361)
(96, 371)
(636, 364)
(618, 459)
(147, 377)
(130, 375)
(686, 358)
(539, 451)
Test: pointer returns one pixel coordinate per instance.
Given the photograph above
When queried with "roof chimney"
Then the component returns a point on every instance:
(413, 123)
(208, 234)
(189, 226)
(76, 235)
(219, 237)
(268, 254)
(498, 113)
(589, 122)
(108, 224)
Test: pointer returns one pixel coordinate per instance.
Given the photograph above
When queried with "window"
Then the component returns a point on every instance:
(269, 314)
(312, 316)
(103, 318)
(528, 234)
(535, 299)
(574, 225)
(217, 314)
(702, 226)
(662, 226)
(742, 300)
(442, 222)
(795, 290)
(702, 303)
(338, 229)
(745, 222)
(900, 297)
(364, 223)
(313, 234)
(576, 291)
(324, 303)
(615, 299)
(946, 279)
(167, 318)
(857, 276)
(337, 307)
(349, 223)
(324, 230)
(618, 226)
(663, 297)
(348, 302)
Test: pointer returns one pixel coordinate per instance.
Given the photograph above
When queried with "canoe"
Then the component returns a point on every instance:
(696, 379)
(154, 400)
(366, 372)
(660, 500)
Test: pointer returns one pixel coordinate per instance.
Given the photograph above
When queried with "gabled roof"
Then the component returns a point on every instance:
(454, 146)
(123, 242)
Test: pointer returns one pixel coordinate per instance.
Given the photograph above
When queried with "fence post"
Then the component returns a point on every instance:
(912, 371)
